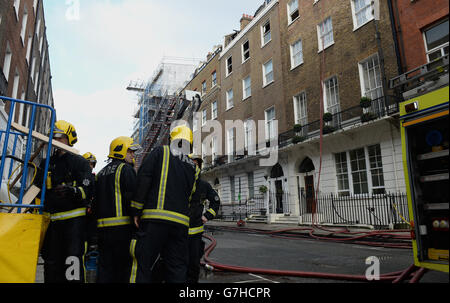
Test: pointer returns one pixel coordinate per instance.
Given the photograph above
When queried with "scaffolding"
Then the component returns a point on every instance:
(159, 102)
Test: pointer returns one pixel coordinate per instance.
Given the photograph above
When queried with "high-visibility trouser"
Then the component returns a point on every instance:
(156, 239)
(196, 251)
(65, 247)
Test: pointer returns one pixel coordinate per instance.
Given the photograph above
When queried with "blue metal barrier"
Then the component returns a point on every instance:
(8, 132)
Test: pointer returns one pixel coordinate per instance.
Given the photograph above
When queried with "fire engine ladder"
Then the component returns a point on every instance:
(21, 233)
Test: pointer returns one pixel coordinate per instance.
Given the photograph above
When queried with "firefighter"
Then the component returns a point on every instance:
(198, 217)
(70, 188)
(91, 159)
(166, 182)
(91, 221)
(114, 188)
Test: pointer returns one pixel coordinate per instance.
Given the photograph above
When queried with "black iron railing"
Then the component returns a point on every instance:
(376, 210)
(381, 107)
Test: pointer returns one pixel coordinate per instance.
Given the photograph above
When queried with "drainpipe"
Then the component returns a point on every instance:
(396, 38)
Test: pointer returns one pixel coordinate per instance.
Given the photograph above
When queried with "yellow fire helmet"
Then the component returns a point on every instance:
(119, 147)
(182, 132)
(65, 128)
(90, 157)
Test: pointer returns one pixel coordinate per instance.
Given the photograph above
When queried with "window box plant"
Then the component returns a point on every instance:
(327, 117)
(365, 102)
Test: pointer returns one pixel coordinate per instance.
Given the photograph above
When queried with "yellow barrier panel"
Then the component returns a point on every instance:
(21, 237)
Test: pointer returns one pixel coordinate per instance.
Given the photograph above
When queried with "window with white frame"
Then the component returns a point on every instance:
(325, 33)
(30, 40)
(296, 53)
(362, 12)
(266, 33)
(370, 75)
(300, 109)
(246, 88)
(204, 149)
(7, 62)
(204, 117)
(230, 102)
(229, 67)
(24, 25)
(292, 9)
(245, 51)
(15, 91)
(376, 169)
(16, 7)
(436, 40)
(268, 72)
(371, 82)
(230, 144)
(270, 123)
(248, 139)
(214, 110)
(194, 124)
(214, 149)
(360, 171)
(343, 187)
(214, 78)
(204, 87)
(332, 98)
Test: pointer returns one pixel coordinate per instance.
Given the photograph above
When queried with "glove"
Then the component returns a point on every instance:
(65, 191)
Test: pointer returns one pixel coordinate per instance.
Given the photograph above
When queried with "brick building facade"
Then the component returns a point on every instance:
(285, 60)
(421, 30)
(24, 62)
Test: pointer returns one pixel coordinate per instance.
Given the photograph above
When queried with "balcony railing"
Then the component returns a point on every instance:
(381, 107)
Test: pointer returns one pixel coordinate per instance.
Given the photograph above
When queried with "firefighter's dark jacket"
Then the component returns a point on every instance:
(165, 186)
(115, 184)
(203, 192)
(70, 170)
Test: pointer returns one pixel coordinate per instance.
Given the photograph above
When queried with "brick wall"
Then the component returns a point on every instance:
(340, 59)
(411, 19)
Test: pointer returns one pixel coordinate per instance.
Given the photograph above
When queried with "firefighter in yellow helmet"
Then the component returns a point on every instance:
(114, 188)
(166, 181)
(70, 188)
(91, 159)
(91, 221)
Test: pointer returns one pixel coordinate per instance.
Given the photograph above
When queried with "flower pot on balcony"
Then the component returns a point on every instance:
(365, 102)
(263, 189)
(297, 128)
(327, 117)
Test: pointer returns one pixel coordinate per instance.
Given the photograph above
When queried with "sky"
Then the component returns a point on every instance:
(97, 47)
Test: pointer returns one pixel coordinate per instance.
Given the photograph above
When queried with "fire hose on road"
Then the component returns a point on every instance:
(412, 273)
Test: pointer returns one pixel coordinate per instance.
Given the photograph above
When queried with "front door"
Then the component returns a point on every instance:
(279, 196)
(309, 191)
